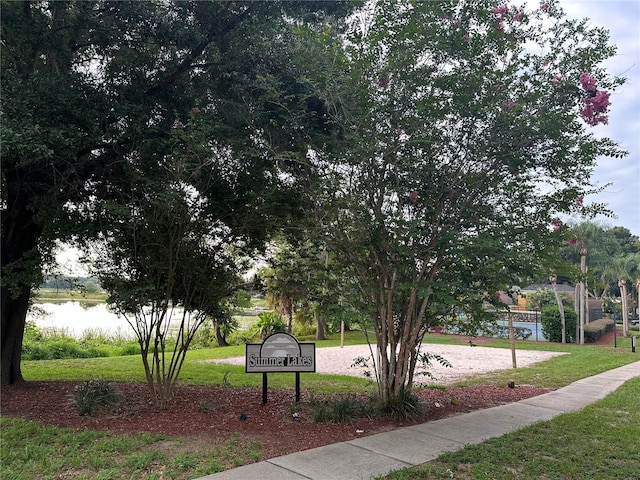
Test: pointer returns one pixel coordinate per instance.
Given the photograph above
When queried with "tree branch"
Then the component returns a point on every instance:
(188, 61)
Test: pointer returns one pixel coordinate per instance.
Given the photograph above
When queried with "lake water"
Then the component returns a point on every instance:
(77, 318)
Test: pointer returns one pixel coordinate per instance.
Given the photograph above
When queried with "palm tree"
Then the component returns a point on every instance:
(553, 279)
(623, 269)
(638, 295)
(592, 238)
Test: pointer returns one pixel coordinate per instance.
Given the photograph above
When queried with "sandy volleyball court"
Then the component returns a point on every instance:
(465, 360)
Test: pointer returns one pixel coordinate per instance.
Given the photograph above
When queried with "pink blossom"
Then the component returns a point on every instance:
(580, 200)
(457, 21)
(383, 81)
(195, 110)
(399, 131)
(413, 196)
(588, 82)
(508, 104)
(556, 224)
(466, 37)
(177, 123)
(601, 101)
(557, 79)
(573, 241)
(544, 7)
(595, 109)
(501, 10)
(518, 16)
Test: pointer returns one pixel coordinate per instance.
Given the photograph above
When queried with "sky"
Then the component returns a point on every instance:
(622, 19)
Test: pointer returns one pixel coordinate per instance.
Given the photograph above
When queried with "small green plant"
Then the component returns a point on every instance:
(435, 386)
(339, 409)
(94, 394)
(363, 362)
(225, 382)
(405, 406)
(321, 413)
(425, 359)
(241, 337)
(268, 324)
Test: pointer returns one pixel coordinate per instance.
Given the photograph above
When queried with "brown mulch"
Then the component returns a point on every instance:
(211, 415)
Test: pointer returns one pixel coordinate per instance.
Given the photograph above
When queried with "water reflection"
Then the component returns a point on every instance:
(77, 319)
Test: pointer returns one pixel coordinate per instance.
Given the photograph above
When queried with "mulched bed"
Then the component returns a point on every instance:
(212, 415)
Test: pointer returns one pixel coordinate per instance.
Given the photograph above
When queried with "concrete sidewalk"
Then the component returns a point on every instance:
(367, 457)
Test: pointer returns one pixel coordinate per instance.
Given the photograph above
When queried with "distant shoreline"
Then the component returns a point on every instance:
(48, 295)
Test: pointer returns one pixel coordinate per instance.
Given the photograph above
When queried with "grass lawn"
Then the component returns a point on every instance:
(602, 441)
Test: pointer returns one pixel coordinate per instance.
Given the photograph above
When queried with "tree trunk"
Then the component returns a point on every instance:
(638, 299)
(576, 308)
(397, 342)
(220, 339)
(582, 291)
(14, 313)
(554, 285)
(289, 307)
(321, 327)
(625, 309)
(21, 269)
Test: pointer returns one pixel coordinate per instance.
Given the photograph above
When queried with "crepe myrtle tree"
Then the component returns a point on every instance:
(469, 127)
(167, 270)
(176, 231)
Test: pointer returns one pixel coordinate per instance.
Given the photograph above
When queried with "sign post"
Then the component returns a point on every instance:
(280, 352)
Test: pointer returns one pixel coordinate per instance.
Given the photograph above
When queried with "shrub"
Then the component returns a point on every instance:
(346, 408)
(205, 337)
(596, 329)
(339, 409)
(95, 394)
(241, 337)
(128, 349)
(268, 324)
(405, 406)
(552, 324)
